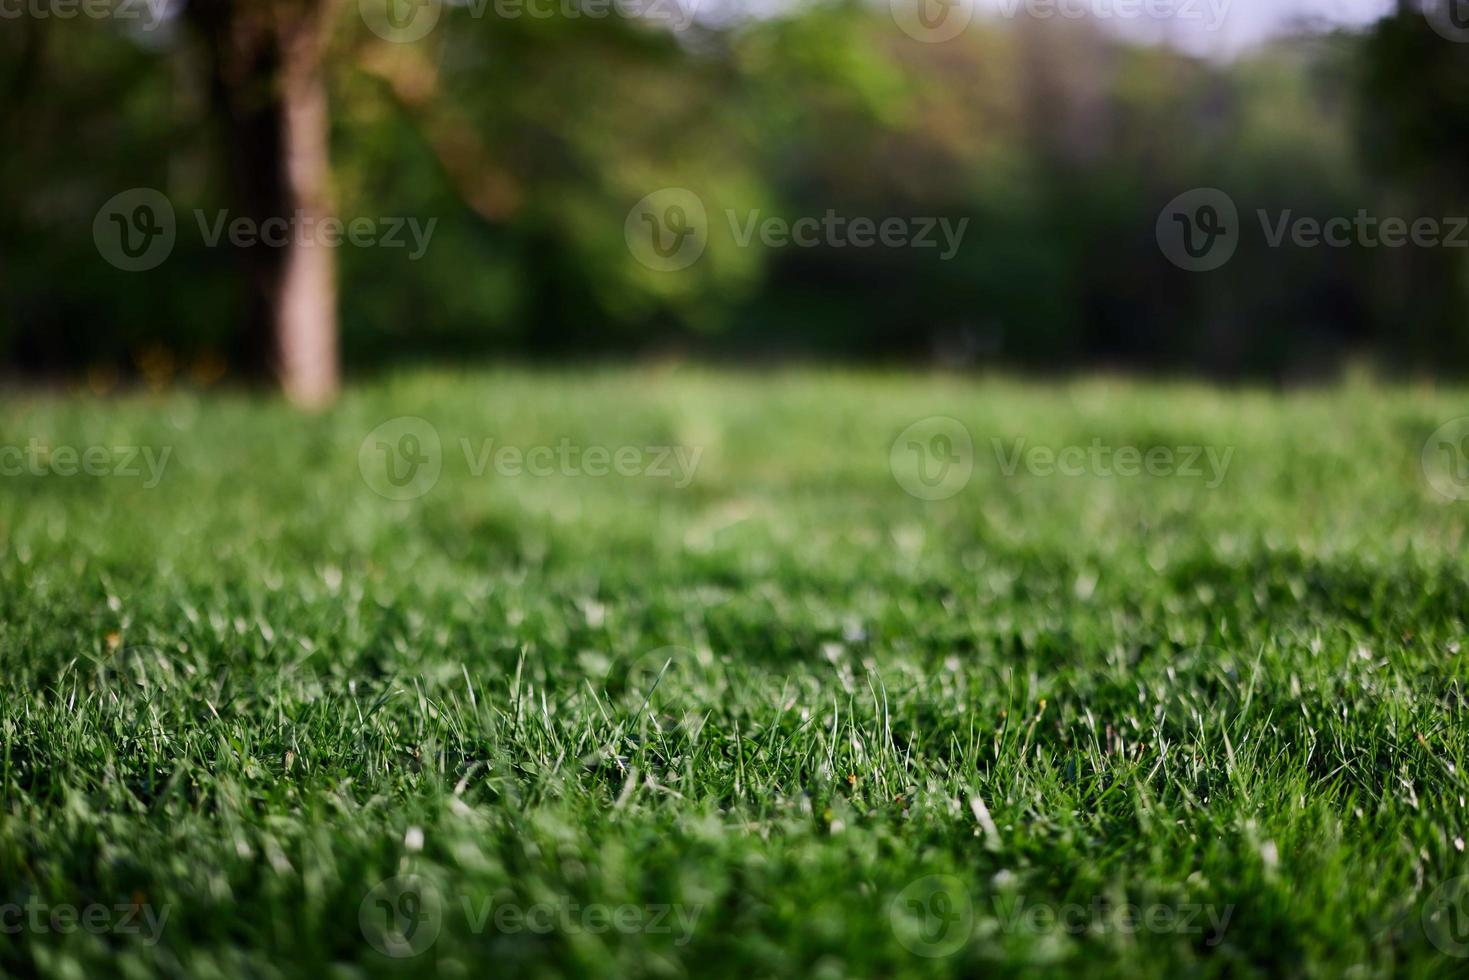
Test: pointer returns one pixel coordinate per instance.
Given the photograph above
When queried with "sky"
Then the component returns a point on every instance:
(1216, 27)
(1210, 27)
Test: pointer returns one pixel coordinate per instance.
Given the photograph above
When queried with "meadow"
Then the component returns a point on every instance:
(673, 672)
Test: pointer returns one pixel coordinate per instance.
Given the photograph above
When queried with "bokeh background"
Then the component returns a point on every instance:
(529, 138)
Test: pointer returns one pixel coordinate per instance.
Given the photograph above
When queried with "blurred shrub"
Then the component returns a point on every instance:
(528, 140)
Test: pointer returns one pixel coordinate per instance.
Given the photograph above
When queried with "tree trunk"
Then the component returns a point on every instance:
(306, 306)
(267, 87)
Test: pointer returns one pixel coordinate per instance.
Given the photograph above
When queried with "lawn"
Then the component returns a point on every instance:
(672, 672)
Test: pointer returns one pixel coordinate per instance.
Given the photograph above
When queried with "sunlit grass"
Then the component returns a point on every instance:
(769, 703)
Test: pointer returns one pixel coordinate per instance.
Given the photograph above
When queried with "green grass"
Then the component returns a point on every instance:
(246, 696)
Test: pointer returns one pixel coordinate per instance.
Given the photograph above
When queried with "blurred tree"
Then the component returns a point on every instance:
(268, 93)
(530, 139)
(1414, 126)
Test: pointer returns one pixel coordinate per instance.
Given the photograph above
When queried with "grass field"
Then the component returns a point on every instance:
(745, 705)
